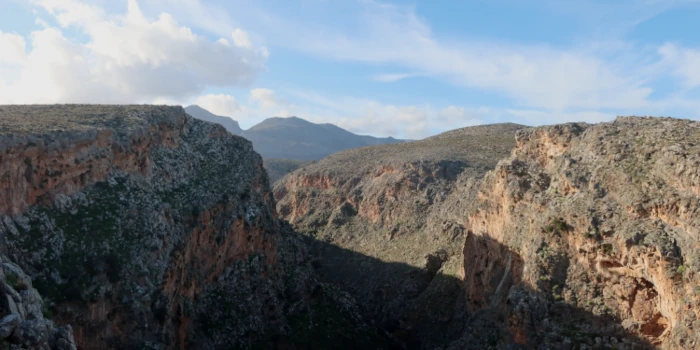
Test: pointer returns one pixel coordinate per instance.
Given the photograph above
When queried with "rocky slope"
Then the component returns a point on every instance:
(588, 235)
(142, 227)
(387, 224)
(585, 237)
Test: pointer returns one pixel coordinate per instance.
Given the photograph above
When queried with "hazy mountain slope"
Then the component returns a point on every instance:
(278, 168)
(202, 114)
(295, 138)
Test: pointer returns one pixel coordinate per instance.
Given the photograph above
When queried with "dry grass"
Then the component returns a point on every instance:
(473, 145)
(43, 119)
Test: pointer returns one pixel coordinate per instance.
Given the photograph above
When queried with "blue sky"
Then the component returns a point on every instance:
(401, 68)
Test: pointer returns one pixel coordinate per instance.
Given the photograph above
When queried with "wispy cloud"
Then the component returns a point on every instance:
(394, 77)
(600, 71)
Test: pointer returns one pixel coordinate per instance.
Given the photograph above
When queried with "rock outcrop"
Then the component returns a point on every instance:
(25, 322)
(388, 222)
(587, 235)
(142, 227)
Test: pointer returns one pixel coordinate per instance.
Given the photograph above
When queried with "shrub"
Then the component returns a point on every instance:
(557, 225)
(12, 279)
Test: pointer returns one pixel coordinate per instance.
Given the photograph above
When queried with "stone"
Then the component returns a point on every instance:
(8, 324)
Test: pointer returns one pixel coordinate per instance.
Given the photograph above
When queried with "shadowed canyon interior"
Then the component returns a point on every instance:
(141, 227)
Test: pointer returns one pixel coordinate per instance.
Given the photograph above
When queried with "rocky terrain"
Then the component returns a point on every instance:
(387, 224)
(585, 237)
(594, 233)
(141, 227)
(25, 319)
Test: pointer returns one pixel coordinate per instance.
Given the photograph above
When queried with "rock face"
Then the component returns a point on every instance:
(24, 320)
(588, 235)
(388, 223)
(142, 227)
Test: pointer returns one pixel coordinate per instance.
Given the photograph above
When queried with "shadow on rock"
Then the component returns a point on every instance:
(491, 307)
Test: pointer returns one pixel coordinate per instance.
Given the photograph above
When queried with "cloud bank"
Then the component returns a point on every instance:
(124, 58)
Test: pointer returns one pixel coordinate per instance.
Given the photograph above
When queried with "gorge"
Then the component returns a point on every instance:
(141, 227)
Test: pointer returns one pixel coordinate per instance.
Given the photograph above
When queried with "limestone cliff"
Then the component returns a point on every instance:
(142, 227)
(387, 224)
(587, 236)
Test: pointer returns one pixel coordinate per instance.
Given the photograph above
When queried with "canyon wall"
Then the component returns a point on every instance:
(594, 233)
(142, 227)
(387, 225)
(586, 236)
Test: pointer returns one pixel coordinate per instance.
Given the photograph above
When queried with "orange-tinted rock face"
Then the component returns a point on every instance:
(605, 218)
(135, 221)
(35, 170)
(208, 252)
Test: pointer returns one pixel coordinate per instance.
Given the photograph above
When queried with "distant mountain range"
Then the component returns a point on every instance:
(202, 114)
(293, 138)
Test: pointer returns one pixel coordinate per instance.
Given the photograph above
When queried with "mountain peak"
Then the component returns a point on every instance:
(203, 114)
(297, 138)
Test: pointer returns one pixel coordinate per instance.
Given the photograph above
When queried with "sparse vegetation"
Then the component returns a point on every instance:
(557, 225)
(277, 168)
(12, 280)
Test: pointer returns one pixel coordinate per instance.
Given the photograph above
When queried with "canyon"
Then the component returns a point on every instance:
(143, 227)
(581, 236)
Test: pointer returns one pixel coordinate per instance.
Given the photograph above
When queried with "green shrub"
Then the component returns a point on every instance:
(12, 279)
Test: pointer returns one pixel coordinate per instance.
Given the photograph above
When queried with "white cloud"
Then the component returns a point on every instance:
(601, 72)
(363, 116)
(126, 59)
(393, 77)
(12, 49)
(685, 63)
(241, 38)
(220, 104)
(535, 76)
(266, 98)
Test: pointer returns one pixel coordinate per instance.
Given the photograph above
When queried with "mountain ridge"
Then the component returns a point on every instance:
(230, 124)
(293, 137)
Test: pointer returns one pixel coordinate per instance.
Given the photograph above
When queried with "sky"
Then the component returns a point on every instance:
(407, 69)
